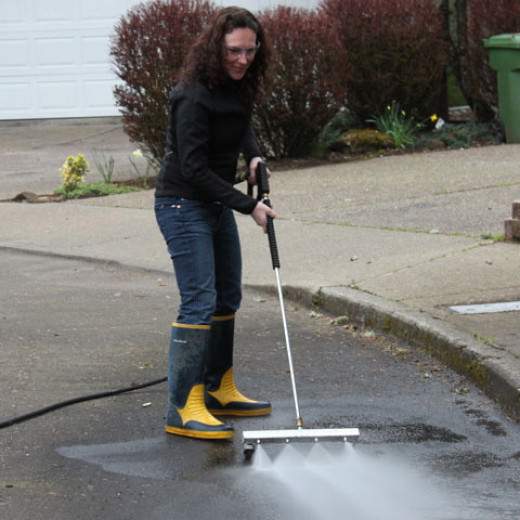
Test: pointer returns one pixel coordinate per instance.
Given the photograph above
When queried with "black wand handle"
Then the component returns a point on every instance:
(262, 182)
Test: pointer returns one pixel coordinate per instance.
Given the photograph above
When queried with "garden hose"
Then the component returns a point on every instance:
(63, 404)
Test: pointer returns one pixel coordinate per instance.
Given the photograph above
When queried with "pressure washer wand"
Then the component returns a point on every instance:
(263, 196)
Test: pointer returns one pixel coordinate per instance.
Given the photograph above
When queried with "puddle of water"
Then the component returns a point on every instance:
(313, 481)
(139, 458)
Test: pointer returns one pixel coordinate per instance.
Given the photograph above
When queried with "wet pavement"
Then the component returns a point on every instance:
(71, 327)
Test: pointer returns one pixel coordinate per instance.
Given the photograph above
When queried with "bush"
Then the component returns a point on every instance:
(397, 51)
(465, 135)
(341, 122)
(148, 50)
(308, 72)
(481, 20)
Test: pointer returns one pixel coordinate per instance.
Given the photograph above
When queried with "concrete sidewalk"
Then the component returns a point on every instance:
(392, 242)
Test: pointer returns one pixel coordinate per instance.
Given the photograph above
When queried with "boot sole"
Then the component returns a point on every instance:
(242, 413)
(195, 434)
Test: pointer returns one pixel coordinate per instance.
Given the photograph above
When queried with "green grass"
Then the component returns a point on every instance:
(95, 189)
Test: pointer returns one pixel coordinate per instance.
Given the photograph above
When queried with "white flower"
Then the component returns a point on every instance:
(440, 123)
(137, 153)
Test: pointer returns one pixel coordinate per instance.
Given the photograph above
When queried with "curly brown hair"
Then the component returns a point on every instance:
(204, 61)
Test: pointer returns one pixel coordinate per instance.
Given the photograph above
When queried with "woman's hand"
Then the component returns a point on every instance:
(252, 170)
(260, 214)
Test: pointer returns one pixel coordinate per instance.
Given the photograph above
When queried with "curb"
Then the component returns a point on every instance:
(487, 366)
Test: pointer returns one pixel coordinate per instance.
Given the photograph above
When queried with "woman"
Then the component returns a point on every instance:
(209, 125)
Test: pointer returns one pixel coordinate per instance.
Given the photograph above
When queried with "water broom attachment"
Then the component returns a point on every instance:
(316, 434)
(252, 438)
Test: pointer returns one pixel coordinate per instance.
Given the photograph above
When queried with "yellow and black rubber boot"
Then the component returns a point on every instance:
(187, 413)
(222, 396)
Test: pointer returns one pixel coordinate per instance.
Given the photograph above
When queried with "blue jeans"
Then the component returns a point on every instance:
(202, 239)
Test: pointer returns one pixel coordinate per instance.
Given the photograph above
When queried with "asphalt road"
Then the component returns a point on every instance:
(430, 441)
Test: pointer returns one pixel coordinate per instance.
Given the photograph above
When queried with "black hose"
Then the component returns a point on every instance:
(63, 404)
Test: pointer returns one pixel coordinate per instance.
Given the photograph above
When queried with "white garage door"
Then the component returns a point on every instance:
(54, 58)
(54, 55)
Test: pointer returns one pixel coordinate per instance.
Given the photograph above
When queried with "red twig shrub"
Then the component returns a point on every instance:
(307, 88)
(148, 49)
(485, 18)
(397, 50)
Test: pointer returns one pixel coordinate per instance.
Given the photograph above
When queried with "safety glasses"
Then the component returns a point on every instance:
(235, 53)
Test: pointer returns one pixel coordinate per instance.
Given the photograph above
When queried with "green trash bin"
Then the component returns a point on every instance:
(504, 57)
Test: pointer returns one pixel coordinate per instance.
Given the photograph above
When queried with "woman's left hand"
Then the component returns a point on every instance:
(260, 214)
(252, 170)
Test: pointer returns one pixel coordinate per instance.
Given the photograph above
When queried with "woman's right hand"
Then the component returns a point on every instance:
(260, 214)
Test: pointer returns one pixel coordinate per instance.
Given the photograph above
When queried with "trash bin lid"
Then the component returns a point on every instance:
(503, 41)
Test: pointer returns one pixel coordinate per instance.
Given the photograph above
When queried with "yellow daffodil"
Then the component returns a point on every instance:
(73, 171)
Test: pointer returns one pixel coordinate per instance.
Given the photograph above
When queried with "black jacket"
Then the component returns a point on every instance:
(207, 129)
